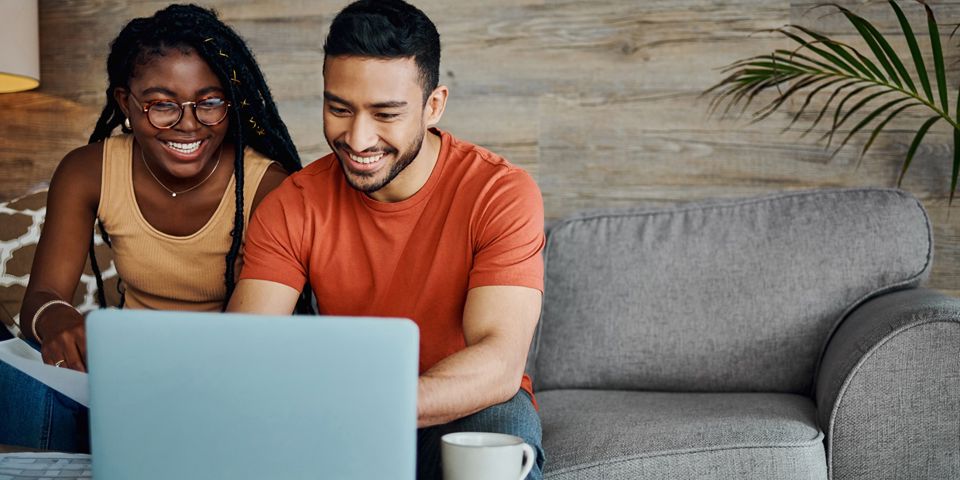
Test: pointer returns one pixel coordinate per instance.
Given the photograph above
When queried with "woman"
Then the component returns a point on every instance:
(202, 144)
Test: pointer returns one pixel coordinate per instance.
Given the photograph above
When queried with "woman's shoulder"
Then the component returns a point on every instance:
(273, 173)
(78, 175)
(84, 157)
(81, 165)
(253, 158)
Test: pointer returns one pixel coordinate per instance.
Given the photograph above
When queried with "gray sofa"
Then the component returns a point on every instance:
(779, 337)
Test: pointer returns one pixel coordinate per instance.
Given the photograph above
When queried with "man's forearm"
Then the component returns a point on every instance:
(468, 381)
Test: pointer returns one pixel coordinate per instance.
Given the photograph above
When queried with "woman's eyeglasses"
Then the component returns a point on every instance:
(165, 114)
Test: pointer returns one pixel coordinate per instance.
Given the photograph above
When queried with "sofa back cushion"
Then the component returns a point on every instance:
(734, 295)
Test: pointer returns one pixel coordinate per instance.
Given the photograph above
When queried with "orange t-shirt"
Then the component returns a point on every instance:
(477, 221)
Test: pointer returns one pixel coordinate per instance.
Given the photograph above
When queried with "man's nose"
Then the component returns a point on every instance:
(362, 134)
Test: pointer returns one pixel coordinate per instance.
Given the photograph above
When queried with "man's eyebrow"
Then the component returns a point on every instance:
(333, 98)
(388, 104)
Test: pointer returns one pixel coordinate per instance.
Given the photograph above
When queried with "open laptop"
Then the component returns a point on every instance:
(179, 395)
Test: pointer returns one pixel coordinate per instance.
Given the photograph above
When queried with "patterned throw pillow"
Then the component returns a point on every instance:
(20, 222)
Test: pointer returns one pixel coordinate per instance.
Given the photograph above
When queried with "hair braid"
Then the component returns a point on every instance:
(237, 233)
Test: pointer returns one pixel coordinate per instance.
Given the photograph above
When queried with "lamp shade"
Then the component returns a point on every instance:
(19, 46)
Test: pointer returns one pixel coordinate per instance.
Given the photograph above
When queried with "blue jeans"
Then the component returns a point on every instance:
(36, 416)
(515, 417)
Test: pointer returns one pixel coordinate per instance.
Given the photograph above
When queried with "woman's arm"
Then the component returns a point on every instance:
(272, 178)
(60, 256)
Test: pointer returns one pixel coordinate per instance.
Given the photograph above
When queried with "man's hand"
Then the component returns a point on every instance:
(263, 297)
(498, 325)
(64, 337)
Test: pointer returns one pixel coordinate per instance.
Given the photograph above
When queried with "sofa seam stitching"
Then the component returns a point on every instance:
(726, 203)
(805, 444)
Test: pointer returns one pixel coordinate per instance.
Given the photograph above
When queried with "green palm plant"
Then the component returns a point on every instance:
(877, 86)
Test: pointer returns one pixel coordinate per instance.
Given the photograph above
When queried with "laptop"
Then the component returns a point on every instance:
(227, 396)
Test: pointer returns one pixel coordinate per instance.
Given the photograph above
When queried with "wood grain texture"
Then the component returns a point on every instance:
(599, 100)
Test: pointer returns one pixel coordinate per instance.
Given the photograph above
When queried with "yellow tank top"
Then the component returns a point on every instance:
(167, 272)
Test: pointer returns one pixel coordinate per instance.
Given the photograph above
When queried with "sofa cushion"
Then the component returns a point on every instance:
(733, 295)
(21, 220)
(620, 434)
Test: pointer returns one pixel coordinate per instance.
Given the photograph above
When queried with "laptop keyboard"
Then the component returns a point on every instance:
(42, 466)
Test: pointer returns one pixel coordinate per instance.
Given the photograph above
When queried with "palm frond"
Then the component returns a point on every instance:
(914, 50)
(869, 118)
(826, 106)
(938, 63)
(806, 103)
(839, 110)
(956, 149)
(857, 106)
(915, 144)
(845, 51)
(880, 48)
(879, 128)
(956, 164)
(875, 84)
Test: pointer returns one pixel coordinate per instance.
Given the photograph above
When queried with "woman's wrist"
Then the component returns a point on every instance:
(38, 316)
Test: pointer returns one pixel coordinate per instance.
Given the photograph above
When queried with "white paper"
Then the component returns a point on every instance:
(34, 466)
(23, 357)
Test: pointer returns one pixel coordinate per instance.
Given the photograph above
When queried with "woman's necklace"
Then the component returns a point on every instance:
(172, 193)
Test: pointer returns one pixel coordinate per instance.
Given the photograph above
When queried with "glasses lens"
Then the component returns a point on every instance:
(211, 111)
(164, 114)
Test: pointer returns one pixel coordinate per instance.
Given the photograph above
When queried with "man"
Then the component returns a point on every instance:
(404, 220)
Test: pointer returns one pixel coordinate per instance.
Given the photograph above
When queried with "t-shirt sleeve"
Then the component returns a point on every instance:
(509, 234)
(274, 248)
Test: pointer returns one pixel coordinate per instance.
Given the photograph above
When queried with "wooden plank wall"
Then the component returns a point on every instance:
(599, 99)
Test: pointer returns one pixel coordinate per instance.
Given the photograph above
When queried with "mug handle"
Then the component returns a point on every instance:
(529, 456)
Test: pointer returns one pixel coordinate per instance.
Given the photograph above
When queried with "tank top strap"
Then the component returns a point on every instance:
(255, 166)
(116, 176)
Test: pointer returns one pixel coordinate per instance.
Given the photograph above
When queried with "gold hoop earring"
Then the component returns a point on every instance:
(126, 123)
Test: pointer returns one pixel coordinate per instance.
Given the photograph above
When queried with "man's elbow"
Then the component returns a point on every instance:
(510, 380)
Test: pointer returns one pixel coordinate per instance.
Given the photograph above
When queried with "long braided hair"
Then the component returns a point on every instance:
(254, 119)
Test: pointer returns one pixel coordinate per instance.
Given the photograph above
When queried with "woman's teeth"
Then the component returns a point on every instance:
(184, 147)
(365, 160)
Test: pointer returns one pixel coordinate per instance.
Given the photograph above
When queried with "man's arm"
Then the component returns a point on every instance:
(498, 325)
(263, 297)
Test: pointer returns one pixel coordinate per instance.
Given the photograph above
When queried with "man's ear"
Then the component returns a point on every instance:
(436, 103)
(121, 96)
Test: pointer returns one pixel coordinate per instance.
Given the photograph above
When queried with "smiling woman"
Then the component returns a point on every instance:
(201, 144)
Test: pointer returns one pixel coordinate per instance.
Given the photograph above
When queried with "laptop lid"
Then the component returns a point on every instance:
(228, 396)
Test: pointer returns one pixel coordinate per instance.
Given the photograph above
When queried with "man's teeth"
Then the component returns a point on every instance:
(184, 147)
(365, 160)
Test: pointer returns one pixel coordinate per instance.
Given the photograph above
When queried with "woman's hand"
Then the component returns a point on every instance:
(64, 338)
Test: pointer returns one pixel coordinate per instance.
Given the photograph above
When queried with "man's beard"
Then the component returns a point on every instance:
(398, 166)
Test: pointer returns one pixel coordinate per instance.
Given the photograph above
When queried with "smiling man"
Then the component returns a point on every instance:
(405, 220)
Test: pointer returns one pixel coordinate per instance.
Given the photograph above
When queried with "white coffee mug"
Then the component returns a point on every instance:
(485, 456)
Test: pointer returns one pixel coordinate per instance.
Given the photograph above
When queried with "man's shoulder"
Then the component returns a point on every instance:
(482, 164)
(313, 176)
(320, 167)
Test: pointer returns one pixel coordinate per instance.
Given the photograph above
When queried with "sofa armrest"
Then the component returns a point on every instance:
(888, 389)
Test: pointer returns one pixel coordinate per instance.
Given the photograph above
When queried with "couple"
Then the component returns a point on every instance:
(206, 206)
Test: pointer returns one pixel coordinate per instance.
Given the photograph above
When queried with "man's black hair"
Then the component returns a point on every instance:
(387, 29)
(253, 115)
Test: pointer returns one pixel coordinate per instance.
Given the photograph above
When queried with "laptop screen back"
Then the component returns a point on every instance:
(199, 395)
